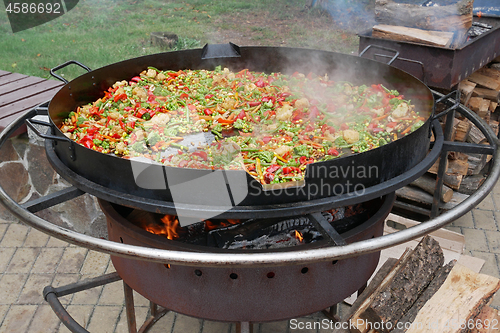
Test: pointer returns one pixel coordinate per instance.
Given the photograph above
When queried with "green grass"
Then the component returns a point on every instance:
(100, 32)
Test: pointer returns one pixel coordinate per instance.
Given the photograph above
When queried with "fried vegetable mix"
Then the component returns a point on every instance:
(271, 125)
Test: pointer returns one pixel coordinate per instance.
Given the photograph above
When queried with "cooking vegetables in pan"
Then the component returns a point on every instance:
(271, 125)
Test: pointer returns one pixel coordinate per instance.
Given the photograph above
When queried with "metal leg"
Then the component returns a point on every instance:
(244, 327)
(129, 307)
(52, 295)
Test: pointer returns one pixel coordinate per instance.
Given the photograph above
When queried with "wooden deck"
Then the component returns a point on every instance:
(20, 93)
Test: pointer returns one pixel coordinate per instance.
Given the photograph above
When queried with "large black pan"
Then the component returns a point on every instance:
(350, 174)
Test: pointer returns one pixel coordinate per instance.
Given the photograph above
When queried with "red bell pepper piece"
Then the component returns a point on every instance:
(201, 154)
(241, 115)
(273, 168)
(266, 139)
(136, 79)
(252, 104)
(344, 126)
(120, 97)
(207, 112)
(260, 83)
(333, 152)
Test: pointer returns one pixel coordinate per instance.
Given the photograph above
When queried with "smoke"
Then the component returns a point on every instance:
(353, 16)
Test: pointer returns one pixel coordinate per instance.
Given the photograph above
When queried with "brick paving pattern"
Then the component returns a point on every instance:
(31, 260)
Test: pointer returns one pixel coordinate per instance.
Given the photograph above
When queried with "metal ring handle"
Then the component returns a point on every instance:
(254, 259)
(382, 48)
(67, 63)
(30, 122)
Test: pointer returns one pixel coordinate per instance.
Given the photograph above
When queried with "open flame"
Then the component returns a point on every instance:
(169, 228)
(299, 236)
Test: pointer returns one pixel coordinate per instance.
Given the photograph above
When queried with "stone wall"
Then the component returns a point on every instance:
(26, 174)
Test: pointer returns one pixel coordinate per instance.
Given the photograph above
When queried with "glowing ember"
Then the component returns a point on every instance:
(210, 225)
(299, 236)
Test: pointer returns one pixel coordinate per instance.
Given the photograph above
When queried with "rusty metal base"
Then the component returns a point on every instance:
(52, 295)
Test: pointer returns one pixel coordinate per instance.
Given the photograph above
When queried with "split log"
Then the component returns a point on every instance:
(405, 34)
(453, 129)
(493, 106)
(491, 72)
(433, 287)
(492, 95)
(471, 184)
(428, 184)
(455, 17)
(475, 135)
(466, 88)
(488, 321)
(409, 193)
(435, 167)
(457, 167)
(485, 81)
(479, 105)
(462, 130)
(401, 288)
(461, 298)
(453, 181)
(455, 155)
(373, 285)
(477, 162)
(494, 126)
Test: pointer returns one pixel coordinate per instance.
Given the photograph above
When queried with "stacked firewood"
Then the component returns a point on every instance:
(418, 293)
(465, 173)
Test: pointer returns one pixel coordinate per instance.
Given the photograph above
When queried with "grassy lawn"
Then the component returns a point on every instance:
(100, 32)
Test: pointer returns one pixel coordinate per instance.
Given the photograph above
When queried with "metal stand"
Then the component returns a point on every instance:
(52, 295)
(25, 214)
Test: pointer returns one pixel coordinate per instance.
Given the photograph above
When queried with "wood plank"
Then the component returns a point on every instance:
(28, 81)
(27, 103)
(9, 78)
(2, 73)
(29, 91)
(461, 297)
(393, 32)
